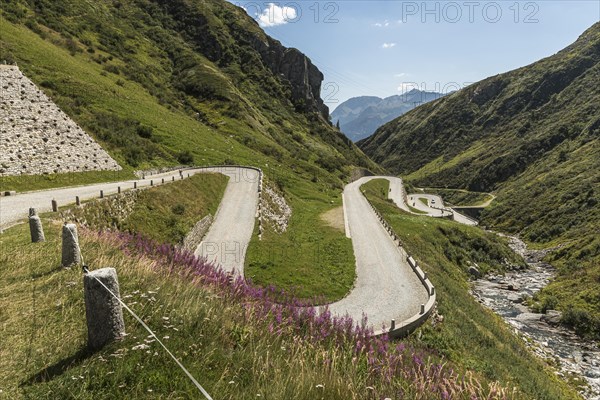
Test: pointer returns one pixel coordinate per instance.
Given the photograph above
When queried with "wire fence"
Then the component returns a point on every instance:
(138, 319)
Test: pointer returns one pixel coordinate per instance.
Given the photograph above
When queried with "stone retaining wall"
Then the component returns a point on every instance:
(36, 137)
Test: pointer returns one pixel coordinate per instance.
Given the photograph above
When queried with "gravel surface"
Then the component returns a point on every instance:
(386, 288)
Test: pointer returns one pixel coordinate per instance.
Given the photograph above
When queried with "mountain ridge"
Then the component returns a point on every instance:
(531, 136)
(359, 117)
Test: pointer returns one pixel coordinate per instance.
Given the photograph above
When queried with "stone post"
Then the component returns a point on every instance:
(77, 200)
(70, 246)
(393, 325)
(163, 180)
(173, 178)
(102, 194)
(422, 309)
(35, 227)
(54, 206)
(135, 185)
(103, 312)
(151, 182)
(119, 189)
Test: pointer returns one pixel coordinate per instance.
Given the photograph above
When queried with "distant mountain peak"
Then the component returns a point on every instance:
(360, 116)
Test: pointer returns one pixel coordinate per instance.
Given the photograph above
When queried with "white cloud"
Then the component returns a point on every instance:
(388, 45)
(275, 15)
(383, 24)
(401, 75)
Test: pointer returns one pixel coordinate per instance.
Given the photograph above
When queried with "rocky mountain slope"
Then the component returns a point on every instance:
(360, 116)
(530, 135)
(169, 82)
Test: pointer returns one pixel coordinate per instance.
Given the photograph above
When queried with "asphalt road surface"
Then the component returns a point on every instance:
(386, 287)
(16, 208)
(228, 237)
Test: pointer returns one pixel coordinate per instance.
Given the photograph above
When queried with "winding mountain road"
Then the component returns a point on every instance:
(386, 287)
(16, 208)
(228, 237)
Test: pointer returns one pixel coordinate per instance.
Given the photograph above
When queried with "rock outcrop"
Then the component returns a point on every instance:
(304, 77)
(36, 137)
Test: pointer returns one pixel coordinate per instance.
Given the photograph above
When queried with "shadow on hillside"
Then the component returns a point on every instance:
(58, 368)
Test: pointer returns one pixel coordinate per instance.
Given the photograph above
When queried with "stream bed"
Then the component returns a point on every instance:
(576, 359)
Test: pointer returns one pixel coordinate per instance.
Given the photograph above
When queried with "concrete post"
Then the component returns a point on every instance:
(119, 189)
(77, 201)
(54, 206)
(173, 178)
(103, 312)
(393, 325)
(151, 182)
(432, 291)
(102, 194)
(35, 227)
(70, 246)
(422, 309)
(163, 180)
(135, 185)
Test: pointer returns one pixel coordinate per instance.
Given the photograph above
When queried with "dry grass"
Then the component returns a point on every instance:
(334, 218)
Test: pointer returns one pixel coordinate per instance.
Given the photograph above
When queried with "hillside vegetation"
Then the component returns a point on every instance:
(177, 82)
(467, 333)
(231, 336)
(162, 83)
(530, 136)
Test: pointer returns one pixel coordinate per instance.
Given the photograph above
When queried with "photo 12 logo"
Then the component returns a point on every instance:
(470, 11)
(269, 14)
(441, 89)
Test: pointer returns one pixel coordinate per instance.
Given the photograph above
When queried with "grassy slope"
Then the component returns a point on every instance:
(232, 349)
(164, 213)
(110, 87)
(470, 334)
(531, 136)
(311, 259)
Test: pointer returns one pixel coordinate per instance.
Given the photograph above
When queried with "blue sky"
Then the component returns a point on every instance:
(383, 48)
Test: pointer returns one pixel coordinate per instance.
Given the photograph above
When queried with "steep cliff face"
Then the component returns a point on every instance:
(304, 77)
(231, 38)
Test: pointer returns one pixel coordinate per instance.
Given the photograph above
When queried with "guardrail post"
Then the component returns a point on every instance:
(70, 246)
(422, 309)
(163, 180)
(135, 185)
(54, 205)
(151, 182)
(119, 189)
(103, 312)
(432, 291)
(102, 194)
(35, 227)
(393, 325)
(173, 178)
